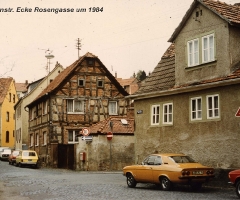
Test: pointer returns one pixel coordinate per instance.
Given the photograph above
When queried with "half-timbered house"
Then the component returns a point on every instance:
(81, 95)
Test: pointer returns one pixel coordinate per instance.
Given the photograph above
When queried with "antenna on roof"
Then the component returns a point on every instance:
(49, 56)
(79, 45)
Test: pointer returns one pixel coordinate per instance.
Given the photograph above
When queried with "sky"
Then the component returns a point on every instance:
(126, 35)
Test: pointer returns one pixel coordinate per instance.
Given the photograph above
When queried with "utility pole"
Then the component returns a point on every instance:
(79, 45)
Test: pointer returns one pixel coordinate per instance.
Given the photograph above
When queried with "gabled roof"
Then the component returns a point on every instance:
(162, 79)
(21, 87)
(4, 87)
(103, 127)
(229, 13)
(163, 75)
(64, 75)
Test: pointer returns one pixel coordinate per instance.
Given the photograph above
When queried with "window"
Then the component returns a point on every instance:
(44, 138)
(196, 108)
(7, 116)
(155, 114)
(193, 52)
(10, 97)
(31, 140)
(212, 106)
(200, 50)
(167, 113)
(37, 140)
(208, 48)
(14, 98)
(112, 108)
(72, 136)
(44, 108)
(75, 106)
(81, 82)
(7, 136)
(90, 62)
(100, 83)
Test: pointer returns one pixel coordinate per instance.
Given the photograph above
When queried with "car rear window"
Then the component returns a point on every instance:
(182, 159)
(29, 154)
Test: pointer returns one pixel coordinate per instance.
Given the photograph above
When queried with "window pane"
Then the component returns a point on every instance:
(70, 105)
(78, 106)
(70, 136)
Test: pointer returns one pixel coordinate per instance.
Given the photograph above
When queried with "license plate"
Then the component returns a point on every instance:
(29, 159)
(197, 172)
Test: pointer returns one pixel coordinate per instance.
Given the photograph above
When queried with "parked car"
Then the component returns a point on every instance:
(5, 154)
(12, 157)
(168, 169)
(234, 177)
(27, 157)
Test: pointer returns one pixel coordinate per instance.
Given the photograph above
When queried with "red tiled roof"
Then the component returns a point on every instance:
(21, 87)
(230, 13)
(117, 126)
(4, 86)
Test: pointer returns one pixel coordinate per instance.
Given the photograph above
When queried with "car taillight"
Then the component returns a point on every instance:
(185, 173)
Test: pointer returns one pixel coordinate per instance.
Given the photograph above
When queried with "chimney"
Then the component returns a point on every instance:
(26, 82)
(115, 74)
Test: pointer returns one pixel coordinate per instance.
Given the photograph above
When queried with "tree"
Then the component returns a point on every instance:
(141, 75)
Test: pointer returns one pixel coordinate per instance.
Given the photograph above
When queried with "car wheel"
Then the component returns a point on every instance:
(165, 183)
(131, 182)
(238, 188)
(196, 186)
(19, 164)
(9, 162)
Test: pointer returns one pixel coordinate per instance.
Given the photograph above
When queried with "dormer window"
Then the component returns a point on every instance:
(201, 50)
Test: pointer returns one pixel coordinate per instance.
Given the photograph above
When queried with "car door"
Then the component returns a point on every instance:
(157, 168)
(144, 171)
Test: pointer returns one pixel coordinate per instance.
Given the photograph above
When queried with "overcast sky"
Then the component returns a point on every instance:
(127, 36)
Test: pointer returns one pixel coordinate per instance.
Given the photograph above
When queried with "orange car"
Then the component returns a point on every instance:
(167, 169)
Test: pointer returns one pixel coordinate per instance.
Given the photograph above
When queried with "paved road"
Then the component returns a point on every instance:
(58, 184)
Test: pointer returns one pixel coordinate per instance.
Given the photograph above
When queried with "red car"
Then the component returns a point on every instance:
(12, 157)
(234, 177)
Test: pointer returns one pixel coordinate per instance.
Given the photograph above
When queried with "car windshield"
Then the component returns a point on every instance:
(15, 153)
(29, 154)
(182, 159)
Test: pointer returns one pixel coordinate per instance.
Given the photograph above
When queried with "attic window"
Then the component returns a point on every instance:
(81, 82)
(90, 62)
(198, 13)
(124, 121)
(100, 83)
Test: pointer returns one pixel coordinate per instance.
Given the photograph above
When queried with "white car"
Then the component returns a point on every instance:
(5, 154)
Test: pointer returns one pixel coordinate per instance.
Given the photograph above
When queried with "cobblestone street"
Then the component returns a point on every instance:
(59, 184)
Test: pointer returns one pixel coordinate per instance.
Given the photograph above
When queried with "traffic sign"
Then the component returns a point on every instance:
(238, 113)
(85, 132)
(109, 135)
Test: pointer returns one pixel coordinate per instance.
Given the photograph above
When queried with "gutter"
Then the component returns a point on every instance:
(172, 91)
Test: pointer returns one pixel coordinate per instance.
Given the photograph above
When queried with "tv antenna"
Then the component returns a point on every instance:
(49, 56)
(79, 45)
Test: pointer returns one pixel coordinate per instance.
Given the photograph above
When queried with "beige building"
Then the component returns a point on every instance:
(188, 103)
(21, 117)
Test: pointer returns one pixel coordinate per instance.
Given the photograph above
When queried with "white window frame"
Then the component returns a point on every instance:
(208, 50)
(193, 57)
(73, 109)
(44, 138)
(197, 113)
(31, 140)
(37, 140)
(213, 109)
(113, 107)
(155, 114)
(167, 113)
(74, 133)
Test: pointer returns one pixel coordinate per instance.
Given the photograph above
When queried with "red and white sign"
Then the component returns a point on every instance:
(85, 131)
(238, 113)
(109, 135)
